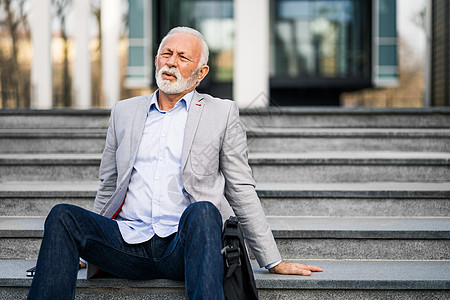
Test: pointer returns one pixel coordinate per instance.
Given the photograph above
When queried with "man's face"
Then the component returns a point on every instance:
(177, 64)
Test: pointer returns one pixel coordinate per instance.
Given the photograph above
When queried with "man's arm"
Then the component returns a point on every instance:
(240, 192)
(108, 168)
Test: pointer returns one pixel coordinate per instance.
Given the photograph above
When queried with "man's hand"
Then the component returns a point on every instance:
(290, 268)
(81, 265)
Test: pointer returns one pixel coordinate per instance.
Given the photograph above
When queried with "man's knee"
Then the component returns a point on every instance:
(60, 209)
(204, 212)
(204, 209)
(59, 212)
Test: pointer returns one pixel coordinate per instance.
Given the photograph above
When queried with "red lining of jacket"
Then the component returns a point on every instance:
(113, 217)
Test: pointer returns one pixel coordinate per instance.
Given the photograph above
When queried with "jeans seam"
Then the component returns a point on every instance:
(116, 249)
(168, 254)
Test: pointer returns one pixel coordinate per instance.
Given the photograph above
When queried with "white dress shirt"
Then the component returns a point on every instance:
(156, 197)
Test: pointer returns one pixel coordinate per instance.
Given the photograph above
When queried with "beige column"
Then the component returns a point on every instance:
(41, 65)
(111, 21)
(251, 53)
(82, 61)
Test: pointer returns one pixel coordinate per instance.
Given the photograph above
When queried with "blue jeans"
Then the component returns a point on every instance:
(192, 254)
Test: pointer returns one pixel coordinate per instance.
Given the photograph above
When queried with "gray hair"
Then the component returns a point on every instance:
(188, 30)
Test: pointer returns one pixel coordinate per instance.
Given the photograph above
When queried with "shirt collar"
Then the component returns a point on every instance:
(186, 100)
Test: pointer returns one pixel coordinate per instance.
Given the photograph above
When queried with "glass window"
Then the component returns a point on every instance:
(385, 44)
(319, 38)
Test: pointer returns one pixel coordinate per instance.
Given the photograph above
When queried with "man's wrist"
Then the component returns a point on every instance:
(270, 266)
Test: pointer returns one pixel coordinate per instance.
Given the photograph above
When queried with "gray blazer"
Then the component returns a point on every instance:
(214, 163)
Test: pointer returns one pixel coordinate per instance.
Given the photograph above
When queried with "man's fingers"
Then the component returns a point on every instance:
(310, 267)
(306, 267)
(301, 272)
(295, 269)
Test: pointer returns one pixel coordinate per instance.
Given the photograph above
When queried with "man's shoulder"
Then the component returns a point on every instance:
(125, 110)
(215, 100)
(131, 102)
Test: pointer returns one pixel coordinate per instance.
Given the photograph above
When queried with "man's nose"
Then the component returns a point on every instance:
(171, 62)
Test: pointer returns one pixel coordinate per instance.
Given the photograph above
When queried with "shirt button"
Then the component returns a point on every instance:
(161, 158)
(157, 177)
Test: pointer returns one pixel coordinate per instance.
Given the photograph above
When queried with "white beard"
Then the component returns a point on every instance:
(180, 85)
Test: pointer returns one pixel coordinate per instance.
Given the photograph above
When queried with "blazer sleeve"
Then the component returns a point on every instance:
(240, 191)
(108, 167)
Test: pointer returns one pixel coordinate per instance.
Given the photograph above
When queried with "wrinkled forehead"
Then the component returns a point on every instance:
(183, 42)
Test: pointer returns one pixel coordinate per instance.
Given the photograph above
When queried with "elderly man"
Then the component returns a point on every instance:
(174, 167)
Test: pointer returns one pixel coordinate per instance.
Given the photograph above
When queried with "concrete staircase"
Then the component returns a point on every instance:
(365, 194)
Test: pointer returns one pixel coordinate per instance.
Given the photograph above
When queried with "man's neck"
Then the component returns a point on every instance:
(167, 101)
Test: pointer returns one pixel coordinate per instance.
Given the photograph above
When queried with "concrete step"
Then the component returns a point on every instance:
(54, 119)
(92, 140)
(350, 167)
(322, 117)
(267, 167)
(362, 237)
(25, 140)
(297, 237)
(341, 279)
(49, 167)
(356, 199)
(348, 139)
(36, 198)
(282, 117)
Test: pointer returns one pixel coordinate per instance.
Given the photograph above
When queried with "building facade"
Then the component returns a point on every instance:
(310, 50)
(263, 52)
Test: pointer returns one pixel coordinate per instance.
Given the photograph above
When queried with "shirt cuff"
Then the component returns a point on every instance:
(270, 266)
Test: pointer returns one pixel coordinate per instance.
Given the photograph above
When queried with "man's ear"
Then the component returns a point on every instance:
(156, 61)
(204, 70)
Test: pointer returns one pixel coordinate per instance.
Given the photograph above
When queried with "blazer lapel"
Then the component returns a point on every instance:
(194, 114)
(138, 126)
